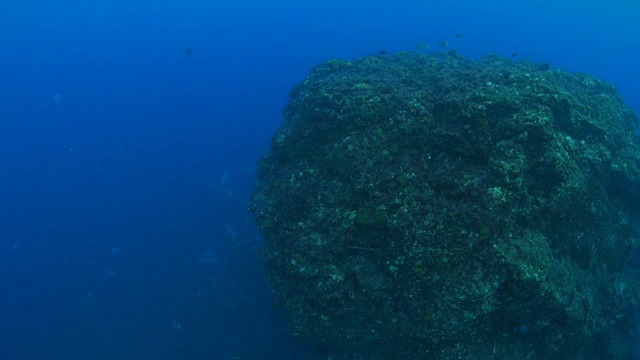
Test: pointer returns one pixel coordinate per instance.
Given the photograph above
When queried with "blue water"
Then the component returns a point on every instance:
(126, 164)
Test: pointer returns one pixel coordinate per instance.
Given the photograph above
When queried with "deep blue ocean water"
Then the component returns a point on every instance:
(127, 160)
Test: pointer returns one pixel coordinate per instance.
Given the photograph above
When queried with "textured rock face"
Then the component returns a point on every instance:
(432, 206)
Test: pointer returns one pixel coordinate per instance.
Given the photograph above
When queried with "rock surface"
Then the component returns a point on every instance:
(436, 207)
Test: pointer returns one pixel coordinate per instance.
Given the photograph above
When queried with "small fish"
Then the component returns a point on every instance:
(514, 55)
(459, 35)
(422, 46)
(188, 51)
(443, 43)
(383, 52)
(176, 325)
(225, 178)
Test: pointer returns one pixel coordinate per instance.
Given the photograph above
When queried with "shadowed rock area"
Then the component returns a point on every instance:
(436, 207)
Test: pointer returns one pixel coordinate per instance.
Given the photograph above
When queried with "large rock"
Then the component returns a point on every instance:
(437, 207)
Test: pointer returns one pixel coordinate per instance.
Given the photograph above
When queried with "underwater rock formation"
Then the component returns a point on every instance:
(429, 206)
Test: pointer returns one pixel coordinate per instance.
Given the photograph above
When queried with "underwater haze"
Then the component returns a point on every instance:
(129, 134)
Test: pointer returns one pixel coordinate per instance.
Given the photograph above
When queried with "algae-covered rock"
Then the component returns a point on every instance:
(436, 207)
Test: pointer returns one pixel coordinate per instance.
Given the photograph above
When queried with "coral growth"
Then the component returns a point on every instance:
(432, 206)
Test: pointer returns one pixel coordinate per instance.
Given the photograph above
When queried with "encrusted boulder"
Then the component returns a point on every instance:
(437, 207)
